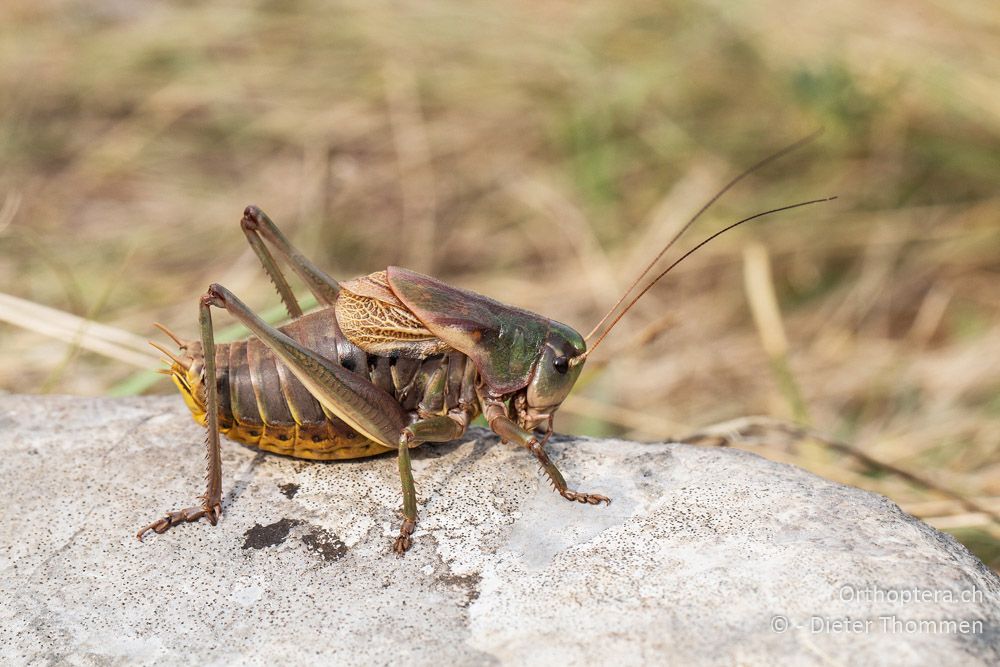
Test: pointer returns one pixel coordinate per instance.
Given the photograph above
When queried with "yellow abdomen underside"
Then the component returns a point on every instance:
(317, 442)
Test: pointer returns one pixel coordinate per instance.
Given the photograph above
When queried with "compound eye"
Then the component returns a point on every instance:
(561, 364)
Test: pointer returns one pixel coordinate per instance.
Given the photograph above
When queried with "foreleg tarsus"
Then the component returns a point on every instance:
(550, 470)
(507, 429)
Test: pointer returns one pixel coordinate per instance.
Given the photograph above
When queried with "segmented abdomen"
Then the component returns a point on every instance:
(262, 404)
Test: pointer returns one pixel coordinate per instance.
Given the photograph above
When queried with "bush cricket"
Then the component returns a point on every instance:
(387, 362)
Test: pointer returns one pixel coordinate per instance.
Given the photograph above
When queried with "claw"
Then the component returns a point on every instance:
(586, 498)
(404, 542)
(186, 515)
(402, 545)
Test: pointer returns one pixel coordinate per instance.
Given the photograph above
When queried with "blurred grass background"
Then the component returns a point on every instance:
(541, 153)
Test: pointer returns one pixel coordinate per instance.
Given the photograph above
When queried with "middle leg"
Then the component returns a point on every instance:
(440, 428)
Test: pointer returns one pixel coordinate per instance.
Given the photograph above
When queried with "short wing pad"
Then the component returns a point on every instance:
(374, 319)
(502, 341)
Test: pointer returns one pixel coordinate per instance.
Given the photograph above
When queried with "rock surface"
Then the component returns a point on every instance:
(706, 556)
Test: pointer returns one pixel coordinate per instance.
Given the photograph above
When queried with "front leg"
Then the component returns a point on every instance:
(496, 415)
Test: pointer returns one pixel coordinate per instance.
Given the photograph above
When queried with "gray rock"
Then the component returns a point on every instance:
(702, 558)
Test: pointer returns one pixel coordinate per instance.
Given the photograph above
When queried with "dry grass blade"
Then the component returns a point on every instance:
(109, 341)
(759, 283)
(944, 507)
(11, 204)
(958, 521)
(950, 515)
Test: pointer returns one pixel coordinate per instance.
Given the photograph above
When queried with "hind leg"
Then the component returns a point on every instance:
(259, 228)
(211, 501)
(364, 407)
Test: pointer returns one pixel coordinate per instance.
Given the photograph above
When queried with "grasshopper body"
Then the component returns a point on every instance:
(263, 404)
(389, 361)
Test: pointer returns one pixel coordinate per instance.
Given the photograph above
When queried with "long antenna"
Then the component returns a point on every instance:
(728, 186)
(579, 358)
